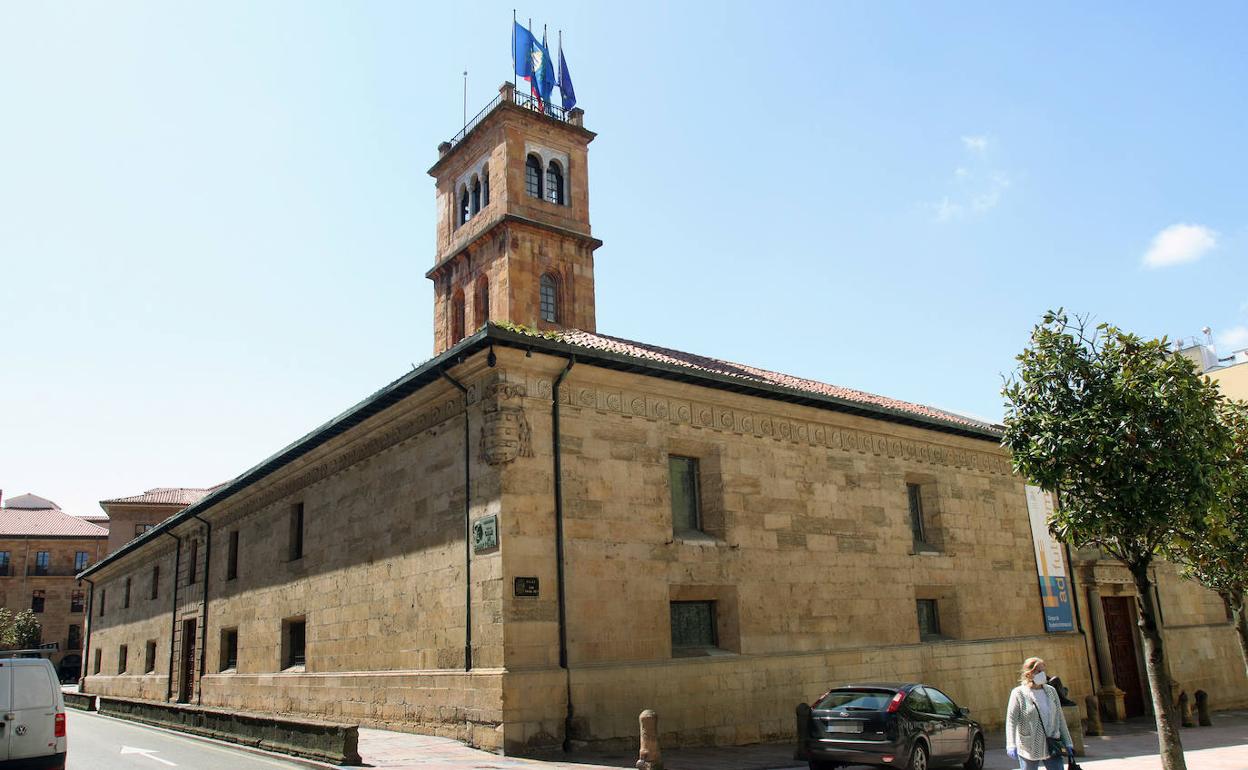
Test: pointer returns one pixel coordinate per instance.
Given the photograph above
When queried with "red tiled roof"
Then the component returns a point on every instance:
(753, 374)
(165, 496)
(45, 522)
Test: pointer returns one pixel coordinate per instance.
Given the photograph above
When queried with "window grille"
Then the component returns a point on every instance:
(549, 299)
(693, 624)
(533, 176)
(929, 619)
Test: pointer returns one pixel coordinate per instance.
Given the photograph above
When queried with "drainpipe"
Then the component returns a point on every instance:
(203, 637)
(560, 580)
(173, 613)
(1074, 599)
(86, 642)
(467, 527)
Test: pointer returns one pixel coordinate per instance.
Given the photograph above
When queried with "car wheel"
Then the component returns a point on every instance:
(976, 760)
(918, 758)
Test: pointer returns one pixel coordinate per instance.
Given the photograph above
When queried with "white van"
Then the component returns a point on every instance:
(32, 715)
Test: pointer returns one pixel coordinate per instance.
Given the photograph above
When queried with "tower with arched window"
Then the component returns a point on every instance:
(513, 239)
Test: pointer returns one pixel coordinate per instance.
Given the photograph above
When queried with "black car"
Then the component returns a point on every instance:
(912, 726)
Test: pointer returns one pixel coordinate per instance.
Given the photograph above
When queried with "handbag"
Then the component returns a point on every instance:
(1054, 745)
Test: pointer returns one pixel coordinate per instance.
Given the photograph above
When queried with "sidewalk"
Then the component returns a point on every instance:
(1129, 746)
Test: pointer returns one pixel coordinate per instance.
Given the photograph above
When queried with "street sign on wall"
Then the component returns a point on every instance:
(1050, 565)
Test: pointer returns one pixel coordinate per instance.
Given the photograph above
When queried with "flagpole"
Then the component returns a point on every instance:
(465, 99)
(513, 51)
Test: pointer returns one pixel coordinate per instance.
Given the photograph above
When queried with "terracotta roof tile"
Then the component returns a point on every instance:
(753, 374)
(45, 522)
(165, 496)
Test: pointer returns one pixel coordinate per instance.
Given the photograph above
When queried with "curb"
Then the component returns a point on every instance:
(310, 763)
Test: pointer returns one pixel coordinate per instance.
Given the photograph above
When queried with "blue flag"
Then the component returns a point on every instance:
(565, 82)
(534, 65)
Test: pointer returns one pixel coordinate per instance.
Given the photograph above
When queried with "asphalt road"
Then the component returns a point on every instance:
(101, 743)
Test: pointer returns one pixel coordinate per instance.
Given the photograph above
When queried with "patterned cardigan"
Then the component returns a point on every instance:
(1022, 723)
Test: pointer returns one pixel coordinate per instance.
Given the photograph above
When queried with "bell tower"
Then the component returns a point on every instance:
(513, 236)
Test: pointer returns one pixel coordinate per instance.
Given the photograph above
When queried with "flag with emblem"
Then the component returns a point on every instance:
(533, 63)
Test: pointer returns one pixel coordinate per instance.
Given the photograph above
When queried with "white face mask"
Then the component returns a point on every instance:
(1039, 677)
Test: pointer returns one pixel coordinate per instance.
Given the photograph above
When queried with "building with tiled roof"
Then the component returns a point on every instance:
(543, 530)
(132, 515)
(41, 550)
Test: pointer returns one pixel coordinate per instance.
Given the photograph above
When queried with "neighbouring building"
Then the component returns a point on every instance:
(131, 516)
(544, 530)
(42, 548)
(1229, 371)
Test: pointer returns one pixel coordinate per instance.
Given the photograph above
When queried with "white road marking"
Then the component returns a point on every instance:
(146, 753)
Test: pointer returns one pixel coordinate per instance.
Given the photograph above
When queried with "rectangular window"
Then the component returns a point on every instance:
(123, 653)
(36, 601)
(296, 531)
(686, 507)
(140, 529)
(155, 581)
(103, 597)
(192, 562)
(149, 657)
(73, 640)
(229, 649)
(929, 620)
(80, 561)
(77, 601)
(125, 596)
(41, 563)
(915, 494)
(293, 642)
(231, 564)
(4, 562)
(99, 659)
(693, 626)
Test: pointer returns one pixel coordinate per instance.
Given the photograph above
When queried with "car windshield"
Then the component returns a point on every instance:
(856, 700)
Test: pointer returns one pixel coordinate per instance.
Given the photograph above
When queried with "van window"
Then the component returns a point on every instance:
(32, 688)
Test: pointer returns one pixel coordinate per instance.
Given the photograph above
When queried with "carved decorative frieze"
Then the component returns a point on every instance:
(716, 417)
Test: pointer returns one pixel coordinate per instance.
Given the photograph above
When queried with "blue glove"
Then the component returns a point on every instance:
(1013, 752)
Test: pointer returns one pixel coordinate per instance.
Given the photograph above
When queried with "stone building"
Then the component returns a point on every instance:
(41, 549)
(543, 530)
(133, 515)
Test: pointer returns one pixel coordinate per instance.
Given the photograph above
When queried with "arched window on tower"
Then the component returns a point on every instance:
(533, 176)
(554, 183)
(485, 186)
(457, 316)
(463, 205)
(476, 195)
(549, 298)
(481, 302)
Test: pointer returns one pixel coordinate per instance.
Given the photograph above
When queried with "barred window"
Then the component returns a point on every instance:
(554, 183)
(693, 625)
(549, 299)
(533, 176)
(929, 619)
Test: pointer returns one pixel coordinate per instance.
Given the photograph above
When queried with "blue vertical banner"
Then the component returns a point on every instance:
(1050, 565)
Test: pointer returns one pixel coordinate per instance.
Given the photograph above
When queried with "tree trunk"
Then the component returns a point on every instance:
(1236, 601)
(1169, 741)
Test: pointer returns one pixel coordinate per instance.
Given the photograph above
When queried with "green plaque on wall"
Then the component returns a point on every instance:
(485, 534)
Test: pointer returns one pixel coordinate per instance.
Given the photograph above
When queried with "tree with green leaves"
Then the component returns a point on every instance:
(1126, 432)
(1217, 555)
(20, 631)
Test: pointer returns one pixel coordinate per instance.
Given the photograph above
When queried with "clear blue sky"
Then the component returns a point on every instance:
(215, 218)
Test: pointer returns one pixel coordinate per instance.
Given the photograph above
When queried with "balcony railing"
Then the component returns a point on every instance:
(520, 99)
(50, 572)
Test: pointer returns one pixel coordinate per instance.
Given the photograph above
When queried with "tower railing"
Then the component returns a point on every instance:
(520, 99)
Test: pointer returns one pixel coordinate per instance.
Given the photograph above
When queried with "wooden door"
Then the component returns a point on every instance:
(186, 671)
(1120, 627)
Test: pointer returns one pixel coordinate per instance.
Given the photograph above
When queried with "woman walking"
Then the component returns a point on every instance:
(1035, 727)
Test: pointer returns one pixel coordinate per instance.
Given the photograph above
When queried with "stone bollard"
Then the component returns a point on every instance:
(649, 757)
(1093, 707)
(1202, 709)
(1185, 710)
(803, 725)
